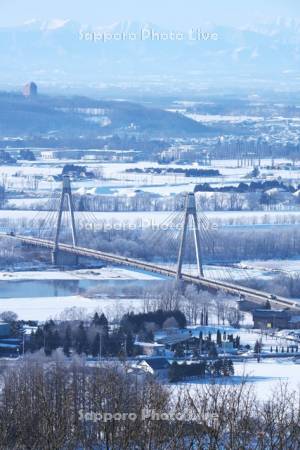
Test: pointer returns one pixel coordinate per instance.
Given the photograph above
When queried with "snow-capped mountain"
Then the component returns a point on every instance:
(62, 51)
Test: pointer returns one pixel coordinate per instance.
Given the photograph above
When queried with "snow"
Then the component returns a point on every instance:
(105, 273)
(55, 24)
(282, 265)
(43, 308)
(265, 377)
(215, 118)
(268, 374)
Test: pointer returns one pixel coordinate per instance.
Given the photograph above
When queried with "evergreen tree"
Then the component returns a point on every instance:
(67, 342)
(236, 343)
(228, 368)
(130, 344)
(257, 347)
(200, 341)
(32, 343)
(95, 348)
(96, 319)
(103, 322)
(202, 318)
(219, 338)
(206, 318)
(39, 338)
(81, 341)
(48, 342)
(173, 373)
(56, 341)
(212, 352)
(217, 368)
(49, 325)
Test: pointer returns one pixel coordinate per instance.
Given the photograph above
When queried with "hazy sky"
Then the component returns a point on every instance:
(172, 13)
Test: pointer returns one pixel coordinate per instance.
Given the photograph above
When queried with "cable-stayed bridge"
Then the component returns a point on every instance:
(181, 233)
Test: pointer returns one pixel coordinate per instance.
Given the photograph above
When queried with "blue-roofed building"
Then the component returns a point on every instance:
(4, 330)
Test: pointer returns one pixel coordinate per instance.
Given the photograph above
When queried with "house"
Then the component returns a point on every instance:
(173, 336)
(150, 348)
(294, 322)
(9, 346)
(158, 367)
(4, 330)
(48, 155)
(275, 318)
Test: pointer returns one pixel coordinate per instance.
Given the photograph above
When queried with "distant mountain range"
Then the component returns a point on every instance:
(62, 52)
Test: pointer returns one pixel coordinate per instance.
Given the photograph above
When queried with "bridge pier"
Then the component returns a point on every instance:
(60, 258)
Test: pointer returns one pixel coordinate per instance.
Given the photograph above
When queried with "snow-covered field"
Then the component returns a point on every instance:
(265, 376)
(115, 176)
(268, 374)
(105, 273)
(282, 265)
(43, 308)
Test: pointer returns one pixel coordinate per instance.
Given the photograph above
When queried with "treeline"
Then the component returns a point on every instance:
(244, 188)
(219, 368)
(142, 144)
(95, 337)
(217, 245)
(50, 404)
(286, 285)
(136, 322)
(177, 170)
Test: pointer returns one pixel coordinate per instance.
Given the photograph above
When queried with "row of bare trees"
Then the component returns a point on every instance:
(49, 404)
(223, 244)
(197, 305)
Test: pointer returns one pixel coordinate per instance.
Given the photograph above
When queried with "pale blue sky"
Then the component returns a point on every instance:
(171, 13)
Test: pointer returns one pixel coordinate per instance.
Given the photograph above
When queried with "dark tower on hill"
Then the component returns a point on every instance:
(30, 90)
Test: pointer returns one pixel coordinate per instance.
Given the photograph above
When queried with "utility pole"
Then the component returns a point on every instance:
(100, 346)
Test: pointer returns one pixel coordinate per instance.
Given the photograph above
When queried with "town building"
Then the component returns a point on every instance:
(275, 318)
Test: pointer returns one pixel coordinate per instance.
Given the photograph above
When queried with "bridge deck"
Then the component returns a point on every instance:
(234, 289)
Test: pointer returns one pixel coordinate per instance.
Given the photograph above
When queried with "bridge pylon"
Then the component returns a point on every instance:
(59, 257)
(190, 212)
